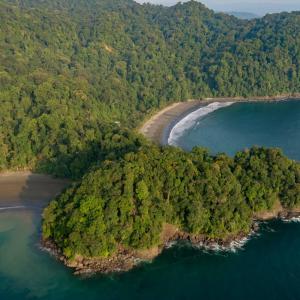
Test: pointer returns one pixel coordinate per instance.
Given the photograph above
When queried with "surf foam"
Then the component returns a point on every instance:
(12, 207)
(191, 119)
(291, 220)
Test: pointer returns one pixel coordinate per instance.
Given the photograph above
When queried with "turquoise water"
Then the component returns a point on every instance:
(243, 125)
(267, 268)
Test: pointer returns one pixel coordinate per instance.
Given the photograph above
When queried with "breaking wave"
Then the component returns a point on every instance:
(291, 220)
(12, 207)
(191, 119)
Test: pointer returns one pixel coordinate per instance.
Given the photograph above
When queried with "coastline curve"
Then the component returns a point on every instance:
(159, 127)
(192, 119)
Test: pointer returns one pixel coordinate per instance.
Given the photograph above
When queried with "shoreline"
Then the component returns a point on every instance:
(27, 190)
(158, 127)
(127, 259)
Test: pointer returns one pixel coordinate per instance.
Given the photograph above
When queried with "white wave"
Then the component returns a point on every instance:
(191, 119)
(233, 246)
(170, 244)
(238, 245)
(12, 207)
(291, 220)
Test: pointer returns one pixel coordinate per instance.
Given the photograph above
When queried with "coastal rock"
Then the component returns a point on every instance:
(126, 259)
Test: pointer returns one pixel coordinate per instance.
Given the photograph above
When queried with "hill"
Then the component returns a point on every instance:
(76, 78)
(69, 69)
(243, 15)
(125, 209)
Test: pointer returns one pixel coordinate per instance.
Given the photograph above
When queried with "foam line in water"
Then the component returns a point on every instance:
(12, 207)
(291, 220)
(191, 119)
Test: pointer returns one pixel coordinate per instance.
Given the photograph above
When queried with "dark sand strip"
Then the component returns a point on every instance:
(156, 128)
(28, 190)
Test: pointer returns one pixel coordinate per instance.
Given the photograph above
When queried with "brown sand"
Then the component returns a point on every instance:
(154, 128)
(158, 127)
(28, 190)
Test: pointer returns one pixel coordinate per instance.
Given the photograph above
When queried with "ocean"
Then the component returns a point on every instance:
(266, 267)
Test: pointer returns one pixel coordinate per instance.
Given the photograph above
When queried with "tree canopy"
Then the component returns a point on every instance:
(77, 76)
(68, 68)
(126, 202)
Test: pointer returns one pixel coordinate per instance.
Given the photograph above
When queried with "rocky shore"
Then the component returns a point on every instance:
(122, 261)
(126, 259)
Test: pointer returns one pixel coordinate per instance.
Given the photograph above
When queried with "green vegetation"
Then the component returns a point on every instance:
(126, 202)
(70, 67)
(74, 74)
(243, 15)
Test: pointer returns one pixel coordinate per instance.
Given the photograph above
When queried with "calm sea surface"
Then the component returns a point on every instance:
(267, 268)
(243, 125)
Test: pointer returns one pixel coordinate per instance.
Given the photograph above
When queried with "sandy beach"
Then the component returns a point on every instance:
(159, 126)
(28, 190)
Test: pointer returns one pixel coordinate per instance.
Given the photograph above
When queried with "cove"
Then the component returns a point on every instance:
(268, 266)
(242, 125)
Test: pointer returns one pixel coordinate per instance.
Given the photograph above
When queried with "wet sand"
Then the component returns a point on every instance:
(28, 190)
(159, 126)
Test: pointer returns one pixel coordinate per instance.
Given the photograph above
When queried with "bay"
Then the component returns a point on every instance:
(242, 125)
(268, 266)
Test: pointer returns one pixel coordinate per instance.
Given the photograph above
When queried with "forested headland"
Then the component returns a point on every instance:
(78, 76)
(125, 204)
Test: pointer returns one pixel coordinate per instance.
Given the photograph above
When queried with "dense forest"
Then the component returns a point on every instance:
(72, 72)
(76, 78)
(126, 202)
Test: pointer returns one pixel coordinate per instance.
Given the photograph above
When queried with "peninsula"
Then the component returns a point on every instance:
(77, 78)
(128, 210)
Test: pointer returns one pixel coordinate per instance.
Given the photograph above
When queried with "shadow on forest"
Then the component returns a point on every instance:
(75, 163)
(36, 190)
(72, 164)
